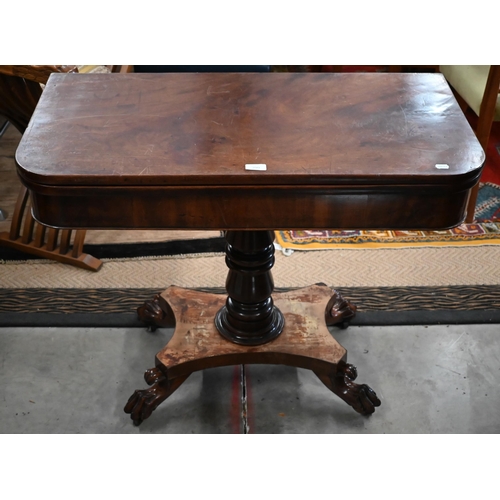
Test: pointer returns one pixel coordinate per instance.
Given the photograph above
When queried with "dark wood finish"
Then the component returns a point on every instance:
(197, 345)
(339, 310)
(17, 217)
(20, 92)
(249, 316)
(293, 207)
(488, 105)
(122, 69)
(169, 151)
(484, 124)
(361, 397)
(143, 402)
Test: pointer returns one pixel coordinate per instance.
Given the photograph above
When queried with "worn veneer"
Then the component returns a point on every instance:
(168, 151)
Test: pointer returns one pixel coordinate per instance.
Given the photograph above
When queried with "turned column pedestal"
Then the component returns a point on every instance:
(249, 316)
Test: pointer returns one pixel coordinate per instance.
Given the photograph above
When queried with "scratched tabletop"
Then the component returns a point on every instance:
(203, 128)
(180, 151)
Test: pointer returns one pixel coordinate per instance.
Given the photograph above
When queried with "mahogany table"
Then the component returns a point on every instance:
(249, 154)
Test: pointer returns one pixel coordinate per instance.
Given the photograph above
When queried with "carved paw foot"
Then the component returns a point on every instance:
(153, 313)
(339, 311)
(143, 402)
(360, 396)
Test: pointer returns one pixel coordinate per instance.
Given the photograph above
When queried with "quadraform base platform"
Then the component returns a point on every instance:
(304, 342)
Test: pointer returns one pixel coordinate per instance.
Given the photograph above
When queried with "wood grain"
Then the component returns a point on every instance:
(201, 129)
(168, 151)
(9, 190)
(305, 341)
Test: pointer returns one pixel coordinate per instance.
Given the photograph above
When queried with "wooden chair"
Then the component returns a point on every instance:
(4, 123)
(20, 91)
(477, 88)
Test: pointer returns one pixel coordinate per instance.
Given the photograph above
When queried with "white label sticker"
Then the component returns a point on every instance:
(442, 166)
(255, 166)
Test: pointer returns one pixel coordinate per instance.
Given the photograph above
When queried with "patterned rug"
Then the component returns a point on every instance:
(484, 231)
(426, 285)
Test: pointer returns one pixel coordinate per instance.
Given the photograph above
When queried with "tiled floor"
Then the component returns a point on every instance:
(436, 379)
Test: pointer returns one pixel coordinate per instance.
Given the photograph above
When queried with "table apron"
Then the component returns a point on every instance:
(248, 207)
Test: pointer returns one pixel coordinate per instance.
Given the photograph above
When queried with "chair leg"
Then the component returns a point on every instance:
(484, 123)
(17, 217)
(32, 238)
(3, 127)
(488, 106)
(471, 205)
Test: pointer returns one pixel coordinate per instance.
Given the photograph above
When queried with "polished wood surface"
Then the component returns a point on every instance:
(10, 186)
(169, 151)
(249, 316)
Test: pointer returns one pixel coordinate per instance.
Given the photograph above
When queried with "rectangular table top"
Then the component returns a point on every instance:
(340, 150)
(202, 129)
